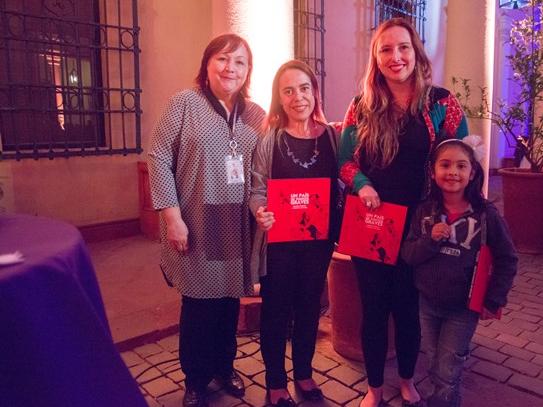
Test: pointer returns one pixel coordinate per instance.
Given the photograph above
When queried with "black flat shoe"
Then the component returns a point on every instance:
(282, 402)
(315, 394)
(233, 384)
(419, 403)
(194, 398)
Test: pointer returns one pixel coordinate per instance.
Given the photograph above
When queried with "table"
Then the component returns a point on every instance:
(55, 344)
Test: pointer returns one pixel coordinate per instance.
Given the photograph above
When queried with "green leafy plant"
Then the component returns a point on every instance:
(520, 120)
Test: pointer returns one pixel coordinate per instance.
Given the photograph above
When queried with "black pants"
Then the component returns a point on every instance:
(291, 290)
(384, 290)
(207, 339)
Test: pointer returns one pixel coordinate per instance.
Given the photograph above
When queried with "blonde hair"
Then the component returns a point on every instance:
(277, 118)
(379, 118)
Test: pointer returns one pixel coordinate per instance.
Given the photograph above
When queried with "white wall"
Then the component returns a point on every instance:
(346, 48)
(268, 27)
(348, 26)
(436, 38)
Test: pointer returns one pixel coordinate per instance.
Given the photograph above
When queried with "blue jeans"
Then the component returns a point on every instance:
(446, 335)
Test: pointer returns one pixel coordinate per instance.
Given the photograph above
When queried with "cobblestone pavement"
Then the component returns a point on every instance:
(506, 367)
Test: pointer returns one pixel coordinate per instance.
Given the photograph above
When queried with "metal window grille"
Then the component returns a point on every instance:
(412, 10)
(69, 78)
(309, 36)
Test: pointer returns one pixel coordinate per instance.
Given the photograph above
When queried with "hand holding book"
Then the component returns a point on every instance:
(372, 233)
(479, 284)
(369, 196)
(264, 219)
(440, 231)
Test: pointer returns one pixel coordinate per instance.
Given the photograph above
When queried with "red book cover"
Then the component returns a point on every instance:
(372, 234)
(480, 279)
(301, 207)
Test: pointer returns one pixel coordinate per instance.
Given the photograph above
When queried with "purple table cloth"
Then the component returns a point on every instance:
(55, 345)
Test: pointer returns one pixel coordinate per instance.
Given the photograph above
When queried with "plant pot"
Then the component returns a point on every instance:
(523, 208)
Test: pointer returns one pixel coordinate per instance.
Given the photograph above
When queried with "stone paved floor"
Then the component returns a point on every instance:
(506, 367)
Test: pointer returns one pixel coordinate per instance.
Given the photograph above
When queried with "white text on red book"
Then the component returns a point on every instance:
(299, 199)
(374, 220)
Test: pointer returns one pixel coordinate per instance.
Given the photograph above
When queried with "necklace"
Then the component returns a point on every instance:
(297, 161)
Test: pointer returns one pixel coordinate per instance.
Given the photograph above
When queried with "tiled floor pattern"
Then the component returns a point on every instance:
(506, 367)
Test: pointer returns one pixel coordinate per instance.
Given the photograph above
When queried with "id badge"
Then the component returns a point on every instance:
(234, 169)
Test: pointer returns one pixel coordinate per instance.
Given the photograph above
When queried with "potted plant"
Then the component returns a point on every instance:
(521, 122)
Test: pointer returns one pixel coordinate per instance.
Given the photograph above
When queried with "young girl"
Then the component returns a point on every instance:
(442, 245)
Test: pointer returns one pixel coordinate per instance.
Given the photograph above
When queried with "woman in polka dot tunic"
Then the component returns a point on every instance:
(299, 144)
(199, 163)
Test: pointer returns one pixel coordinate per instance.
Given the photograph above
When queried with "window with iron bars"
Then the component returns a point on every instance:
(412, 10)
(69, 78)
(309, 36)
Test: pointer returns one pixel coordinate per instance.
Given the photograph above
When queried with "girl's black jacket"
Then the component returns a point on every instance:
(444, 269)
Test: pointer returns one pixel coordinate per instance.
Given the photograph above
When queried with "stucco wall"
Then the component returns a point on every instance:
(93, 190)
(174, 33)
(349, 26)
(347, 38)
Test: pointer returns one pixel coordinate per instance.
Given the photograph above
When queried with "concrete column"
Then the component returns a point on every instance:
(436, 39)
(470, 53)
(268, 27)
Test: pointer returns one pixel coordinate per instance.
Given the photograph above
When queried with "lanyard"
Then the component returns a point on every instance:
(233, 144)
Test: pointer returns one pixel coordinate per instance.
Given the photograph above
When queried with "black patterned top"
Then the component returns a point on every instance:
(187, 169)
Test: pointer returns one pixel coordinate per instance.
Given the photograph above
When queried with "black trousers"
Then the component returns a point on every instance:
(386, 289)
(207, 339)
(291, 290)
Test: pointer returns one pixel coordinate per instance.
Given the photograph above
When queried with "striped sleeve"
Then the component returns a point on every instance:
(349, 169)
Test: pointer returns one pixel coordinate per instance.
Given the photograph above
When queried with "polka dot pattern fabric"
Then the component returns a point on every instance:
(187, 169)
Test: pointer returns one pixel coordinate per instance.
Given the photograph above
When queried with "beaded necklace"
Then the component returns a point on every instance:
(297, 161)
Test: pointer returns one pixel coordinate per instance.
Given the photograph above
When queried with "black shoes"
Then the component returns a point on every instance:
(232, 384)
(314, 394)
(194, 398)
(282, 402)
(419, 403)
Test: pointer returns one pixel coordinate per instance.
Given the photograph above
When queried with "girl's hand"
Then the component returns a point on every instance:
(369, 197)
(177, 235)
(264, 219)
(486, 314)
(441, 231)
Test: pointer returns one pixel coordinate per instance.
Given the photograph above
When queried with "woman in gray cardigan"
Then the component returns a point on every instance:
(299, 144)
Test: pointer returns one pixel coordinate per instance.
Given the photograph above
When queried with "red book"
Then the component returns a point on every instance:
(301, 207)
(372, 234)
(480, 279)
